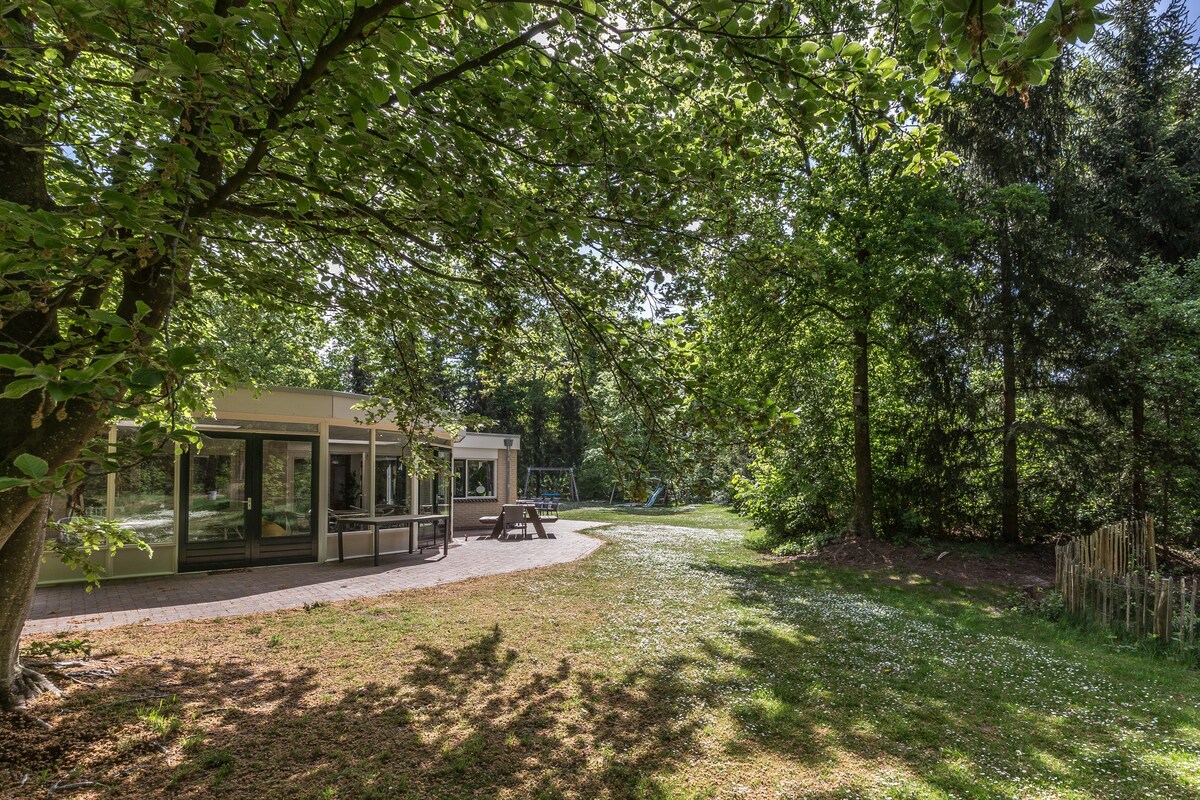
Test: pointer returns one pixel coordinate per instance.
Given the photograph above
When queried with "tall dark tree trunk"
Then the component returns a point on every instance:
(20, 561)
(55, 433)
(570, 425)
(22, 519)
(861, 521)
(1009, 489)
(1165, 471)
(1138, 426)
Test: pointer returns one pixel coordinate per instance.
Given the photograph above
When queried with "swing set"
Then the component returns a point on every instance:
(551, 483)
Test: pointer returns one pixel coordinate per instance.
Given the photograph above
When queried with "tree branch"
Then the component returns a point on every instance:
(480, 61)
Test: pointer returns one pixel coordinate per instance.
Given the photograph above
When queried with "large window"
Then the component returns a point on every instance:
(474, 478)
(145, 498)
(433, 487)
(347, 467)
(87, 498)
(391, 473)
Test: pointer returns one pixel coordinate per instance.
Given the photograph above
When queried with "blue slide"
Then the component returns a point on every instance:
(654, 497)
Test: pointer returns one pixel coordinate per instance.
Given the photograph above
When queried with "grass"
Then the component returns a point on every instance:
(675, 663)
(161, 719)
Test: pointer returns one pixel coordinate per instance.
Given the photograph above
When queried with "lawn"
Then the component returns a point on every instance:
(674, 663)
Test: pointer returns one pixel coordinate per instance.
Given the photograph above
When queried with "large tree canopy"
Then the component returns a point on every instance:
(429, 170)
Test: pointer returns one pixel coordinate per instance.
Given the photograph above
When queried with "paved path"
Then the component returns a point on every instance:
(155, 601)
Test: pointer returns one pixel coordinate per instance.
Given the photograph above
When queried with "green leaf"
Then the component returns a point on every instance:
(120, 198)
(1040, 37)
(59, 392)
(380, 92)
(182, 357)
(105, 363)
(146, 378)
(31, 465)
(13, 362)
(20, 388)
(107, 316)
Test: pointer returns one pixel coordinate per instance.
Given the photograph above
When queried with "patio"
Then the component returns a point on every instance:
(154, 601)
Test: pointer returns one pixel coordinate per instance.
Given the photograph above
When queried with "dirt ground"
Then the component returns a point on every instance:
(945, 561)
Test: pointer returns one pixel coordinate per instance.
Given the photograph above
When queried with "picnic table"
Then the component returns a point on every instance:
(531, 515)
(441, 521)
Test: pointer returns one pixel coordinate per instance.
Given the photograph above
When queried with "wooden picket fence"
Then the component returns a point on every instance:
(1112, 577)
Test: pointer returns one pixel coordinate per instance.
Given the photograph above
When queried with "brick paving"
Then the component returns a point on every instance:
(155, 601)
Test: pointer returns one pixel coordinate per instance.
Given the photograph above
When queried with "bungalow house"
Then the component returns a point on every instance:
(279, 476)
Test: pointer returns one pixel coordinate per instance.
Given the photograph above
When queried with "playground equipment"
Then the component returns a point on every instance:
(658, 490)
(551, 482)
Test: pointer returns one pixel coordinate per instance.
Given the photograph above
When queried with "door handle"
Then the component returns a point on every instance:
(249, 503)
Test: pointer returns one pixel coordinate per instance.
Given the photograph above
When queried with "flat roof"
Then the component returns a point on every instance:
(327, 404)
(472, 439)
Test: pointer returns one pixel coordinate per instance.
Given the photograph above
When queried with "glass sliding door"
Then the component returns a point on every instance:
(250, 501)
(218, 506)
(288, 501)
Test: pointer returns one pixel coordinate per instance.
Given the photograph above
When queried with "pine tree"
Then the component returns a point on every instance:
(1143, 150)
(1017, 182)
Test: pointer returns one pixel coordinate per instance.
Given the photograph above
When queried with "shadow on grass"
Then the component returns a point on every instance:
(807, 695)
(980, 713)
(473, 721)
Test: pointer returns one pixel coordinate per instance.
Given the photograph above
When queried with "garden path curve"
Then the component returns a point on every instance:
(156, 601)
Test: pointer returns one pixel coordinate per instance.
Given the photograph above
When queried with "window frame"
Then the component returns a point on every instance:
(467, 462)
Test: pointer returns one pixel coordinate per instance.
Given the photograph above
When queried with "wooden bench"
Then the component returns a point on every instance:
(492, 519)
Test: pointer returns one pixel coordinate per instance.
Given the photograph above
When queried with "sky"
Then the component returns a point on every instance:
(1193, 7)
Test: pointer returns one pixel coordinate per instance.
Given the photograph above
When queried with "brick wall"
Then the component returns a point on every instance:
(468, 512)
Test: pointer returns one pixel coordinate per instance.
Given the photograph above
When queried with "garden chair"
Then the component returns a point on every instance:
(514, 517)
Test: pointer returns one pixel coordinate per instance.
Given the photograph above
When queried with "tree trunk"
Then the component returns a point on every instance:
(1165, 471)
(26, 426)
(1139, 451)
(1009, 490)
(861, 521)
(22, 137)
(20, 561)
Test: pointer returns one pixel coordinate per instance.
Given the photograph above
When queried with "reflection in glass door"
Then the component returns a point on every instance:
(250, 501)
(215, 533)
(288, 495)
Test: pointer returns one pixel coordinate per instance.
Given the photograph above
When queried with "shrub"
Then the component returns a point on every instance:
(792, 547)
(792, 506)
(1047, 605)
